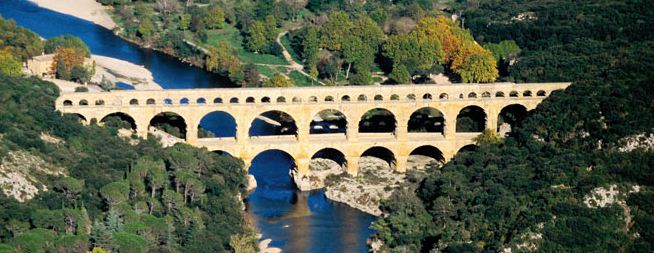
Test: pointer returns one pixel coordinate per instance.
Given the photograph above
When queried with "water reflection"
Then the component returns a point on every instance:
(302, 221)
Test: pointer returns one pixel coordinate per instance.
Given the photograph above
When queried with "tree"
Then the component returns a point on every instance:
(361, 78)
(9, 65)
(487, 137)
(400, 74)
(156, 177)
(310, 47)
(69, 186)
(270, 28)
(256, 39)
(215, 18)
(355, 50)
(506, 50)
(278, 80)
(417, 52)
(22, 43)
(146, 28)
(184, 21)
(67, 59)
(115, 193)
(474, 64)
(335, 29)
(66, 41)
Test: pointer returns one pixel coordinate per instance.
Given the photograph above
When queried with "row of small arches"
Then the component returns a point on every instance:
(314, 99)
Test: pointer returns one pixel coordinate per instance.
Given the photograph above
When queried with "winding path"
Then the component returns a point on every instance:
(293, 65)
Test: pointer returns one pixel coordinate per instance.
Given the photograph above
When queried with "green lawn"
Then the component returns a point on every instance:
(267, 71)
(301, 80)
(230, 34)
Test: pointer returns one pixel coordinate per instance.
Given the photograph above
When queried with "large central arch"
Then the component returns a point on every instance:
(426, 119)
(271, 169)
(217, 124)
(328, 121)
(378, 120)
(273, 123)
(471, 119)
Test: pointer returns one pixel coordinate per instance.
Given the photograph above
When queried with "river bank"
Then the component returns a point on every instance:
(89, 10)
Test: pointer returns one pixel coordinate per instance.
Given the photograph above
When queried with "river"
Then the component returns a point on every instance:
(295, 221)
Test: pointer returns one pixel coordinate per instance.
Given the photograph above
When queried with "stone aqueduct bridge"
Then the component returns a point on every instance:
(303, 103)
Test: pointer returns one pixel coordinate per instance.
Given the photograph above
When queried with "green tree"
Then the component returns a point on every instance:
(9, 65)
(334, 31)
(215, 18)
(146, 29)
(400, 74)
(506, 50)
(310, 47)
(66, 41)
(270, 28)
(115, 193)
(278, 80)
(256, 39)
(184, 21)
(69, 186)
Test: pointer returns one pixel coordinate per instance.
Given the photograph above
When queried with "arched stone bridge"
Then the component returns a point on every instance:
(304, 103)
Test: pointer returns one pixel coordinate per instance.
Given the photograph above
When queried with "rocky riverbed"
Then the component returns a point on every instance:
(375, 182)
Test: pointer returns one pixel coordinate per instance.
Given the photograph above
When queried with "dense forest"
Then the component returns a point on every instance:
(527, 192)
(334, 42)
(84, 187)
(114, 194)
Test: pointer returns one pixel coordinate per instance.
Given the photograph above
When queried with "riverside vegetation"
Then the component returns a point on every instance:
(334, 42)
(530, 191)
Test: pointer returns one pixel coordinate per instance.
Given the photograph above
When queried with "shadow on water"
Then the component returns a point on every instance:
(301, 221)
(168, 71)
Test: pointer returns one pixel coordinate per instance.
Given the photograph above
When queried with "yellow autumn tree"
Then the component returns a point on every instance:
(474, 64)
(68, 64)
(278, 80)
(443, 31)
(466, 58)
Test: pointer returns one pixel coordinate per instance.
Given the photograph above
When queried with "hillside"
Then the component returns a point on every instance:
(564, 181)
(84, 187)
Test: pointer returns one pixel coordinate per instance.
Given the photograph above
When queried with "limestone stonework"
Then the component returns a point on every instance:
(303, 103)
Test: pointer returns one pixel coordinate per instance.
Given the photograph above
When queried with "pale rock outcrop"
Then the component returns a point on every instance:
(375, 182)
(252, 182)
(19, 174)
(639, 141)
(606, 196)
(320, 169)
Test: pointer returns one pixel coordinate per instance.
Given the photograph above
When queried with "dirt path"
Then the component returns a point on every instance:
(293, 65)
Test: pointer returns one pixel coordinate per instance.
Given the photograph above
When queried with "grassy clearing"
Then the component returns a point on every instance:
(267, 71)
(230, 34)
(301, 80)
